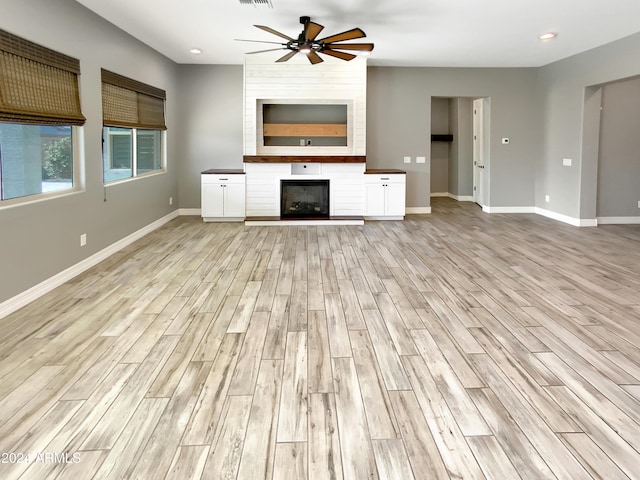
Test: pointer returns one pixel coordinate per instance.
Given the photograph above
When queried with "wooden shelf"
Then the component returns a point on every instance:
(304, 130)
(304, 159)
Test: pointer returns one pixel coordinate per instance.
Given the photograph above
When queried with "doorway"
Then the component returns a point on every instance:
(480, 156)
(459, 149)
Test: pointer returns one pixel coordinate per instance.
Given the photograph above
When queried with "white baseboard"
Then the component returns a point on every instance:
(488, 209)
(196, 212)
(576, 222)
(439, 194)
(37, 291)
(417, 210)
(618, 220)
(461, 198)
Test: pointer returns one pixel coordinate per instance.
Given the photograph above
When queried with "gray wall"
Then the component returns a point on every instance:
(619, 159)
(42, 239)
(461, 163)
(440, 154)
(210, 124)
(565, 86)
(399, 124)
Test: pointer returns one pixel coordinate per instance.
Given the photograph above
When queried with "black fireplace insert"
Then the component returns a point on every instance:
(304, 198)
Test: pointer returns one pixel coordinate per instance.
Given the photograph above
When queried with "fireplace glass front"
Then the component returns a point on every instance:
(304, 198)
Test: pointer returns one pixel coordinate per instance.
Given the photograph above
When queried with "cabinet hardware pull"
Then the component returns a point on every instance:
(223, 179)
(384, 178)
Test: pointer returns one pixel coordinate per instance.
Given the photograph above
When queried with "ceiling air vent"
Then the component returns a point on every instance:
(257, 3)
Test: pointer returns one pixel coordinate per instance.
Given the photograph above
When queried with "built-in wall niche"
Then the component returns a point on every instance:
(305, 127)
(304, 124)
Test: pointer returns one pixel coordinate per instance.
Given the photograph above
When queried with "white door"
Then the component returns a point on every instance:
(234, 200)
(478, 152)
(395, 201)
(212, 200)
(374, 199)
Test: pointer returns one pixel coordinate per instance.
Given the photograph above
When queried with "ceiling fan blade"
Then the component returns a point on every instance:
(340, 55)
(262, 51)
(314, 57)
(275, 32)
(365, 47)
(311, 30)
(257, 41)
(348, 35)
(287, 56)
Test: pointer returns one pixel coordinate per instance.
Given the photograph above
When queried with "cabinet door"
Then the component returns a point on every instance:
(395, 193)
(212, 200)
(374, 199)
(234, 200)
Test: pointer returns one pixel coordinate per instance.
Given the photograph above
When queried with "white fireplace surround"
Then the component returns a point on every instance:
(346, 188)
(333, 81)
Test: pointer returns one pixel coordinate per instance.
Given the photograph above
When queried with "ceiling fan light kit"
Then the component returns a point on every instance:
(308, 44)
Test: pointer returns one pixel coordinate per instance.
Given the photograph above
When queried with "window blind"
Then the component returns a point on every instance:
(37, 85)
(129, 103)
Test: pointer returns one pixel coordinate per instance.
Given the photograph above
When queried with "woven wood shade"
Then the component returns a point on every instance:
(37, 85)
(129, 103)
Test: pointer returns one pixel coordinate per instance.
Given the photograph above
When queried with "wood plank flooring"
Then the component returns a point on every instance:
(456, 345)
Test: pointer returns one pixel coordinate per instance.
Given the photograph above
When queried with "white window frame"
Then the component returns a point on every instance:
(77, 143)
(134, 155)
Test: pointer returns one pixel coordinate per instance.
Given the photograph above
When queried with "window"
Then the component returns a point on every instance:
(35, 159)
(130, 152)
(39, 110)
(133, 119)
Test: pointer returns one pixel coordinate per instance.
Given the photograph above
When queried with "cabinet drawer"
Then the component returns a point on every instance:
(381, 178)
(215, 178)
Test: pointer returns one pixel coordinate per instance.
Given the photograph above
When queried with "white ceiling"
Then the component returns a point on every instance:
(439, 33)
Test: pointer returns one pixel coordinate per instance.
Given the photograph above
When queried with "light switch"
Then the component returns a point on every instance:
(505, 141)
(566, 162)
(421, 159)
(407, 159)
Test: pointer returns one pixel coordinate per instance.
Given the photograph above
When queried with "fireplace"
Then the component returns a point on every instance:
(304, 198)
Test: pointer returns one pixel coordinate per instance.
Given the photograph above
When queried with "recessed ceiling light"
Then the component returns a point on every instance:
(548, 36)
(195, 51)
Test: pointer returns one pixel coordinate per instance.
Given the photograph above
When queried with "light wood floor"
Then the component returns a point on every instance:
(453, 345)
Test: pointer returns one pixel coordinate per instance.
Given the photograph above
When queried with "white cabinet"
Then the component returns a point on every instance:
(222, 196)
(385, 195)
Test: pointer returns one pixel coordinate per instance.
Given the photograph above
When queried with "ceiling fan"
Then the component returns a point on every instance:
(307, 44)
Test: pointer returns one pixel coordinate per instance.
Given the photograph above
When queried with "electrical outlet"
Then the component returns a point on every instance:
(546, 198)
(638, 203)
(83, 239)
(303, 142)
(170, 200)
(421, 159)
(566, 162)
(407, 159)
(505, 141)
